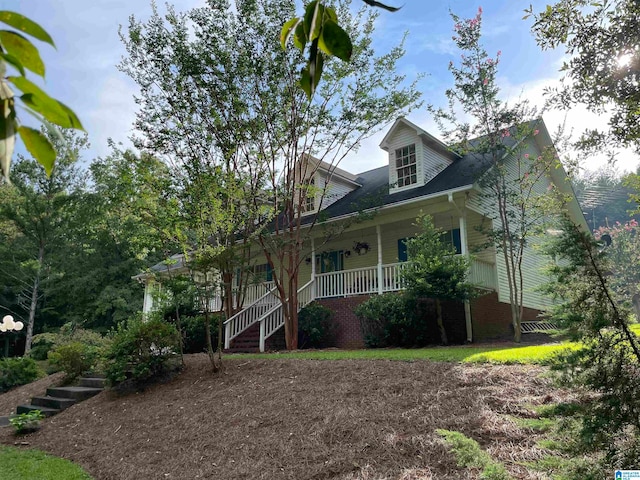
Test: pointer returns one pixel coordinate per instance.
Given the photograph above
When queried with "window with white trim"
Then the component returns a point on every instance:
(406, 168)
(310, 198)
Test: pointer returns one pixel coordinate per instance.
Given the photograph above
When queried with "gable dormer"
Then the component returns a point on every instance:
(322, 184)
(415, 156)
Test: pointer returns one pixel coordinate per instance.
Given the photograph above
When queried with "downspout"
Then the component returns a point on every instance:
(464, 250)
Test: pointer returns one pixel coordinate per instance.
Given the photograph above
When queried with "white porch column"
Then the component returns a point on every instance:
(313, 259)
(464, 250)
(262, 332)
(227, 336)
(147, 304)
(380, 279)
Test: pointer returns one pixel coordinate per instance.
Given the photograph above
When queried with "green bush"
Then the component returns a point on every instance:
(26, 422)
(383, 320)
(193, 333)
(142, 351)
(17, 371)
(70, 332)
(316, 327)
(74, 358)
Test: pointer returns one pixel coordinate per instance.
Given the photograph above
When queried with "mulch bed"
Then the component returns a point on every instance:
(22, 395)
(300, 419)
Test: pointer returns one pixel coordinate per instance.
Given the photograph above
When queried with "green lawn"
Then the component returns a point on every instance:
(19, 464)
(538, 354)
(529, 354)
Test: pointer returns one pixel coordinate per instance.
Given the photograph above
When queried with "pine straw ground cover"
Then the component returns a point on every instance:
(302, 419)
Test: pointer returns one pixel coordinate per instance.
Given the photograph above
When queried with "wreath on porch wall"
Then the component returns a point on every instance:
(361, 247)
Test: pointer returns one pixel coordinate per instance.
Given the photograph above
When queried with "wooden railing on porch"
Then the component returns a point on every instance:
(379, 279)
(364, 281)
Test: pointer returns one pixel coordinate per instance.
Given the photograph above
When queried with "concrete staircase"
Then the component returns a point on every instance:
(61, 398)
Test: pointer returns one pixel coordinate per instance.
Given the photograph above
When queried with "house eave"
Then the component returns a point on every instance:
(409, 201)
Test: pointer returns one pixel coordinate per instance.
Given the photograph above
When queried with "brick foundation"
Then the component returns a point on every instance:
(348, 333)
(492, 319)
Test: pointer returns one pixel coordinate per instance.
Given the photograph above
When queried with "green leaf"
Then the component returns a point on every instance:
(305, 81)
(19, 47)
(25, 25)
(300, 37)
(287, 29)
(39, 146)
(7, 137)
(11, 60)
(335, 41)
(50, 108)
(313, 20)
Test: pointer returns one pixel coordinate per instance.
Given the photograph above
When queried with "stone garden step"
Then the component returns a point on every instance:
(46, 411)
(76, 393)
(53, 402)
(92, 382)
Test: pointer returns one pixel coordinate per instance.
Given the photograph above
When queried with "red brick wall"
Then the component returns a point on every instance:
(348, 333)
(492, 319)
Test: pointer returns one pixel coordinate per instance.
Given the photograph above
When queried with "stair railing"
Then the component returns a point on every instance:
(242, 320)
(274, 318)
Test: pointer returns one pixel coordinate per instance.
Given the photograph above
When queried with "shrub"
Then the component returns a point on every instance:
(142, 351)
(17, 371)
(382, 318)
(316, 327)
(69, 332)
(193, 333)
(74, 358)
(27, 422)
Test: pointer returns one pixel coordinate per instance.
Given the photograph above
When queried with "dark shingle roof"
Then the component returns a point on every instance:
(375, 187)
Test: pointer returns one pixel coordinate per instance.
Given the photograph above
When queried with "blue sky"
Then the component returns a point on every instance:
(81, 72)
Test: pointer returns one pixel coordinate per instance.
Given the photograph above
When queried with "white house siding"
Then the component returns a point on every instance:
(433, 163)
(336, 188)
(402, 137)
(533, 262)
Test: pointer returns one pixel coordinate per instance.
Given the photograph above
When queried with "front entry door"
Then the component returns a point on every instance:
(328, 262)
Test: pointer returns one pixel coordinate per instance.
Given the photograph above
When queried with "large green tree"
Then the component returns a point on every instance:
(36, 211)
(220, 101)
(602, 66)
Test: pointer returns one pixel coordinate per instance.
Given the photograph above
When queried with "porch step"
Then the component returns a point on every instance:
(46, 411)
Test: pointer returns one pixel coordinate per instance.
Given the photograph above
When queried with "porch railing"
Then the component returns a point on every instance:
(252, 293)
(363, 281)
(268, 310)
(274, 319)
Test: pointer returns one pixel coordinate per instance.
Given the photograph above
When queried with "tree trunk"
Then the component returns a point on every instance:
(180, 338)
(34, 303)
(443, 332)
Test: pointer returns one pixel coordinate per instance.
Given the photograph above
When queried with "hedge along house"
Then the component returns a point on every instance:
(365, 254)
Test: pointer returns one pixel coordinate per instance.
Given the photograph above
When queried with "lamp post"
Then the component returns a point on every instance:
(9, 325)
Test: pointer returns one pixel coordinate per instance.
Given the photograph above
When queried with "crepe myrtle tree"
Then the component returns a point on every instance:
(308, 133)
(19, 54)
(495, 135)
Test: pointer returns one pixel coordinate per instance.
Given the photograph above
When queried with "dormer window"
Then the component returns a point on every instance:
(406, 167)
(309, 204)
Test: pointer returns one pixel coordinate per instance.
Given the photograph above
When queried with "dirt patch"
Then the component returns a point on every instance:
(22, 395)
(299, 419)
